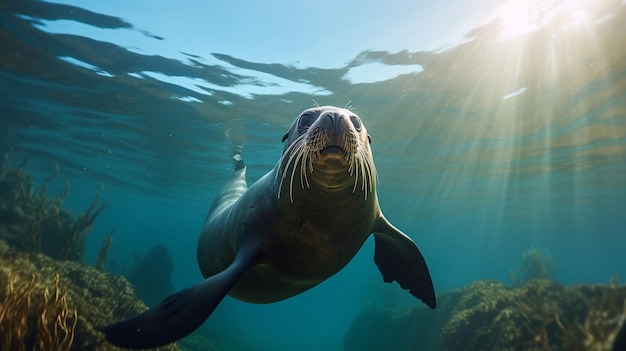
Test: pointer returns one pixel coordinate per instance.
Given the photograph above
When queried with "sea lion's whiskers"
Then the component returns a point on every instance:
(300, 156)
(356, 180)
(291, 153)
(298, 159)
(313, 142)
(317, 142)
(371, 170)
(306, 159)
(365, 177)
(361, 164)
(354, 169)
(348, 146)
(362, 169)
(288, 152)
(358, 163)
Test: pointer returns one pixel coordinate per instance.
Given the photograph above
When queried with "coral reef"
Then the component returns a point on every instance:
(535, 265)
(81, 297)
(31, 221)
(486, 315)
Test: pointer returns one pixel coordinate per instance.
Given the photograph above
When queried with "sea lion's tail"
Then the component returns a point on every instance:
(237, 159)
(237, 139)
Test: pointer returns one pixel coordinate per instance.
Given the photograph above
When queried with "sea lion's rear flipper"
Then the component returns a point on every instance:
(181, 313)
(399, 259)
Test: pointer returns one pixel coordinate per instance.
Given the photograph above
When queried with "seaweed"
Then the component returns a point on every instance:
(535, 265)
(25, 321)
(33, 221)
(605, 319)
(103, 254)
(98, 297)
(42, 271)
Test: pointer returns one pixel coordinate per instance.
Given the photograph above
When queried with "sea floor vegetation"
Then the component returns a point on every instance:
(56, 305)
(487, 315)
(49, 299)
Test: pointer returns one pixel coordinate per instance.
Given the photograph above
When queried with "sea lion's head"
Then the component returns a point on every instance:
(327, 147)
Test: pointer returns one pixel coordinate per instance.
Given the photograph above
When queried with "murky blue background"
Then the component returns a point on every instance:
(495, 129)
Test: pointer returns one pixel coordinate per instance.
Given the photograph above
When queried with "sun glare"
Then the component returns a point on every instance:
(523, 16)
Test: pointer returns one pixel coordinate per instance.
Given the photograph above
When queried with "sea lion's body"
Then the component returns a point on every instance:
(292, 229)
(303, 242)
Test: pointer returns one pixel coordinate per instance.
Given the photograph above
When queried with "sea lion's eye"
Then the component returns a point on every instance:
(305, 121)
(356, 122)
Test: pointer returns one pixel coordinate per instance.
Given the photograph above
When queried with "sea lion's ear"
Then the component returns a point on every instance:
(369, 138)
(285, 137)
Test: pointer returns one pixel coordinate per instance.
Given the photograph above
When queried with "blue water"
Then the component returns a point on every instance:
(494, 145)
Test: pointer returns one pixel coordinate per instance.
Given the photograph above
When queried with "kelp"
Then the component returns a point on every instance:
(103, 254)
(33, 221)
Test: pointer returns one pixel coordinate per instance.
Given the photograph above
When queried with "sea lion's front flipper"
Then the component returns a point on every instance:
(181, 313)
(399, 259)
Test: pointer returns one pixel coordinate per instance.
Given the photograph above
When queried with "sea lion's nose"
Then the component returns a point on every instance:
(334, 121)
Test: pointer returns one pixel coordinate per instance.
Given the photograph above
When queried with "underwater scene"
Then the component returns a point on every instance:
(490, 134)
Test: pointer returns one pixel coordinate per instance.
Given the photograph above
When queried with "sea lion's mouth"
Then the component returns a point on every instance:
(327, 161)
(332, 149)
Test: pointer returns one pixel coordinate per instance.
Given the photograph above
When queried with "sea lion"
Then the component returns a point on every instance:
(295, 227)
